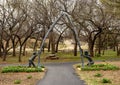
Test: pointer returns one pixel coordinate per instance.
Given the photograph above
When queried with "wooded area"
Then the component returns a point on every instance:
(22, 20)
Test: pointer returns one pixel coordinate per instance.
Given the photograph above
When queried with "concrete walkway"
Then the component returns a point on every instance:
(60, 74)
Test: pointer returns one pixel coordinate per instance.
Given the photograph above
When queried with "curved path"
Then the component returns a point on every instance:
(60, 74)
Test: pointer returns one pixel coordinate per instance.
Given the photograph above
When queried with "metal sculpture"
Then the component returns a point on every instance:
(63, 14)
(74, 31)
(31, 59)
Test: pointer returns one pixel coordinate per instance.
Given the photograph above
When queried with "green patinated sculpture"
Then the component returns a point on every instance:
(86, 55)
(31, 59)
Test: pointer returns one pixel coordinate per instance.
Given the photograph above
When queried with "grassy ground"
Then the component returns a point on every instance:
(89, 76)
(109, 55)
(64, 56)
(24, 78)
(21, 78)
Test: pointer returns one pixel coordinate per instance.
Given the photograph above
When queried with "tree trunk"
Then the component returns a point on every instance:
(57, 43)
(21, 45)
(75, 49)
(49, 45)
(5, 51)
(1, 45)
(114, 44)
(52, 39)
(14, 50)
(91, 46)
(118, 50)
(24, 50)
(91, 52)
(35, 45)
(92, 39)
(59, 38)
(0, 50)
(4, 56)
(43, 49)
(19, 58)
(103, 52)
(56, 50)
(1, 42)
(114, 48)
(99, 44)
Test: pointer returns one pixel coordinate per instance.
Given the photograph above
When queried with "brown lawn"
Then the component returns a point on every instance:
(90, 79)
(9, 78)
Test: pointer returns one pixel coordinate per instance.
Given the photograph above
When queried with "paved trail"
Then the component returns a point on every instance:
(60, 74)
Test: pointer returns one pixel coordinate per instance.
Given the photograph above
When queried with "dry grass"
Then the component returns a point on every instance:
(90, 79)
(9, 78)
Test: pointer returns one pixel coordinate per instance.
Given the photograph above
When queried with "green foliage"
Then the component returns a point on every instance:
(78, 66)
(98, 55)
(108, 55)
(29, 77)
(98, 75)
(105, 80)
(99, 67)
(42, 66)
(17, 81)
(21, 69)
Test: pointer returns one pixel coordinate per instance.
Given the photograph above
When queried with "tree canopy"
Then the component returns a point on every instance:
(112, 6)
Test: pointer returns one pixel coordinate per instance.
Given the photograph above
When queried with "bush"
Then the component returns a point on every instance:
(98, 55)
(21, 69)
(98, 75)
(98, 67)
(17, 81)
(104, 80)
(78, 66)
(42, 66)
(29, 77)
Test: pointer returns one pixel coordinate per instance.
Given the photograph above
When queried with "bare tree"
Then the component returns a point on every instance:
(45, 13)
(92, 19)
(7, 24)
(14, 17)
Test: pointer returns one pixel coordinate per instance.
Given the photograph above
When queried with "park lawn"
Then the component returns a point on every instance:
(63, 57)
(66, 56)
(24, 78)
(8, 78)
(90, 79)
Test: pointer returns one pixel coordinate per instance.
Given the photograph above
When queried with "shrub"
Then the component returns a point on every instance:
(78, 66)
(29, 77)
(98, 67)
(98, 75)
(105, 80)
(42, 66)
(98, 55)
(17, 81)
(21, 69)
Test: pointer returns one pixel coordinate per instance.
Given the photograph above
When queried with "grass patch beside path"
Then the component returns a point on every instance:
(22, 69)
(110, 76)
(98, 67)
(11, 78)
